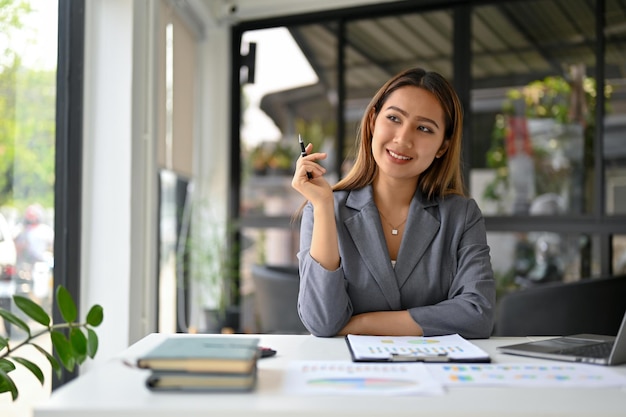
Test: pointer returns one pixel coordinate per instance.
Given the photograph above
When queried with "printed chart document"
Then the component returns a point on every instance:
(349, 378)
(548, 374)
(449, 348)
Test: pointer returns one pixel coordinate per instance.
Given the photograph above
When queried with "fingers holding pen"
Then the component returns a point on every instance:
(313, 186)
(308, 161)
(308, 172)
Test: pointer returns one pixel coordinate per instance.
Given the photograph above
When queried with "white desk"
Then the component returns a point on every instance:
(115, 389)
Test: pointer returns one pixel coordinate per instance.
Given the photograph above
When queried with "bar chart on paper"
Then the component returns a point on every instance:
(547, 374)
(383, 348)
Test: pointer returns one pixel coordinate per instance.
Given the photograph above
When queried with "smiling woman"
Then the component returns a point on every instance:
(429, 272)
(407, 136)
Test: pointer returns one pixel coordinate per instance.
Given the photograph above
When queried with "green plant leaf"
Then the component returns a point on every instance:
(79, 342)
(32, 309)
(66, 304)
(95, 315)
(12, 318)
(53, 362)
(7, 385)
(92, 343)
(4, 387)
(71, 344)
(6, 365)
(36, 370)
(63, 349)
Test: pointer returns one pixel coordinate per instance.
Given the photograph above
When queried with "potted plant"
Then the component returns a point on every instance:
(282, 159)
(213, 270)
(560, 111)
(73, 341)
(259, 157)
(554, 121)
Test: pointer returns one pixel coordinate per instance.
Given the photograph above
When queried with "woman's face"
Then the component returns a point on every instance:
(408, 133)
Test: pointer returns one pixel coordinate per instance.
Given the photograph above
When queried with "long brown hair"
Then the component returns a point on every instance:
(444, 175)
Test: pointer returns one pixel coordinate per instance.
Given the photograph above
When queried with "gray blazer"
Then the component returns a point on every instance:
(443, 274)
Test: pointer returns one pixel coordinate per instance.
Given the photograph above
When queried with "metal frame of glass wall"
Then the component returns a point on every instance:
(594, 222)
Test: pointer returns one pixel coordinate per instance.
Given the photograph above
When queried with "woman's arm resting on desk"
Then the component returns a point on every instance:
(387, 323)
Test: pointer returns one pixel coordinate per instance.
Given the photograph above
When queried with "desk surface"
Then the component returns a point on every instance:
(116, 389)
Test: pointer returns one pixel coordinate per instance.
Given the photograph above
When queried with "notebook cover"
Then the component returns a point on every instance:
(201, 381)
(203, 353)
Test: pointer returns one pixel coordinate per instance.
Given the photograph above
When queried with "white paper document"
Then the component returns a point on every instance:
(548, 374)
(349, 378)
(449, 348)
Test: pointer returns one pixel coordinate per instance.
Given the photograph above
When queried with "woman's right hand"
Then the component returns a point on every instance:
(315, 189)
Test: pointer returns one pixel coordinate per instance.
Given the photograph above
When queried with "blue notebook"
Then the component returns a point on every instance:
(201, 381)
(203, 353)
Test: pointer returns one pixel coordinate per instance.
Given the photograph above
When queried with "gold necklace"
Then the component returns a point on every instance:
(394, 229)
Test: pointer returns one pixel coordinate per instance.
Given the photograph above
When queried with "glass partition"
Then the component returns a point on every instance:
(282, 99)
(523, 260)
(537, 76)
(615, 116)
(534, 108)
(619, 254)
(28, 71)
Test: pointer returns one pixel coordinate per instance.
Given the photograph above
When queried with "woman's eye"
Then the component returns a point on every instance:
(425, 129)
(393, 118)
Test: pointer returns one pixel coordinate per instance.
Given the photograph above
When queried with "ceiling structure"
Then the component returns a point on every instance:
(512, 44)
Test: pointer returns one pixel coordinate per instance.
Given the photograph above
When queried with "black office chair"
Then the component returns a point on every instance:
(276, 297)
(594, 305)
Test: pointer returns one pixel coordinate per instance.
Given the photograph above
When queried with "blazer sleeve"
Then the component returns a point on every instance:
(470, 307)
(323, 303)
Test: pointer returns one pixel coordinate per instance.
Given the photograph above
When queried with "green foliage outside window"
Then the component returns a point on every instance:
(27, 119)
(550, 98)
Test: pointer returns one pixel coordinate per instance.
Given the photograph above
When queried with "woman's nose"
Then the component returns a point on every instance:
(403, 137)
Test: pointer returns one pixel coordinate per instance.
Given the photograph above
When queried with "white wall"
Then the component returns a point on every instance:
(106, 251)
(119, 190)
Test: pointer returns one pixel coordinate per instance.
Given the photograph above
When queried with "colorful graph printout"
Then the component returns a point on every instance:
(545, 374)
(380, 348)
(348, 378)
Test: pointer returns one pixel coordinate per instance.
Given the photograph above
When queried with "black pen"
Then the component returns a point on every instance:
(265, 352)
(303, 153)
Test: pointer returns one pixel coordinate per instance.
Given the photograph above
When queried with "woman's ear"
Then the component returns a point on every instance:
(371, 119)
(443, 148)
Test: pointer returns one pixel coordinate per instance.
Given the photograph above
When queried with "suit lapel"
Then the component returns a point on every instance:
(372, 249)
(420, 230)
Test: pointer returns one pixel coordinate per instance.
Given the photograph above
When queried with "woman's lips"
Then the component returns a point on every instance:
(398, 156)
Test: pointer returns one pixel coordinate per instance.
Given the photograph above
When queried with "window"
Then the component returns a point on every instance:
(28, 68)
(537, 101)
(543, 90)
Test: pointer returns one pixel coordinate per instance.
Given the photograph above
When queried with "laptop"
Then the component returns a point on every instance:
(586, 348)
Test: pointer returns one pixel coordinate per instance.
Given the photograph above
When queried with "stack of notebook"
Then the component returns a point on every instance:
(202, 363)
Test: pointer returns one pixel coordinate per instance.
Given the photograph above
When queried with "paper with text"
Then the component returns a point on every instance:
(349, 378)
(548, 374)
(382, 348)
